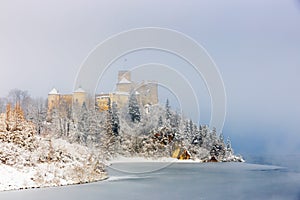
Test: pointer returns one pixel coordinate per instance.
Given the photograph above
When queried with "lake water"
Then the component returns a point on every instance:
(269, 178)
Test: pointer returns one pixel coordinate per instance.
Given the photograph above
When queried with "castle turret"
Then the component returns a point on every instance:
(79, 97)
(124, 82)
(53, 99)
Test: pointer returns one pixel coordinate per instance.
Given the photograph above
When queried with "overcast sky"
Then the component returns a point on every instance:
(255, 44)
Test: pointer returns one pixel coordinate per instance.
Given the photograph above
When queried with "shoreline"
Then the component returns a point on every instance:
(123, 160)
(137, 159)
(33, 185)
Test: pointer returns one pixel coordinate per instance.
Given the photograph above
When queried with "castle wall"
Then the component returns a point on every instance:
(147, 93)
(66, 98)
(53, 101)
(120, 99)
(79, 98)
(124, 87)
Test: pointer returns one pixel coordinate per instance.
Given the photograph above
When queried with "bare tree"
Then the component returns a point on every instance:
(37, 112)
(3, 103)
(21, 97)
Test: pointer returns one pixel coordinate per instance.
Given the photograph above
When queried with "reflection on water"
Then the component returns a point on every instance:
(181, 181)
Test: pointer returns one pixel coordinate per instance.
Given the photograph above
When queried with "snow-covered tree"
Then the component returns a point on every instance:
(168, 111)
(175, 120)
(83, 125)
(228, 146)
(157, 133)
(160, 122)
(115, 122)
(21, 97)
(37, 113)
(221, 138)
(134, 108)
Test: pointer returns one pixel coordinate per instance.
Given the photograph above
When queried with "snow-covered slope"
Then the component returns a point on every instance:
(31, 161)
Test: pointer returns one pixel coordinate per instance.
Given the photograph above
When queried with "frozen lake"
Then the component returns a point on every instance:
(179, 181)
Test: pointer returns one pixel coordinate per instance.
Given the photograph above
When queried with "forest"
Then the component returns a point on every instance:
(131, 131)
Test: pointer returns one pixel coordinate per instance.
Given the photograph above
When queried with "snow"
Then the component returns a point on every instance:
(31, 161)
(124, 80)
(28, 160)
(11, 178)
(53, 91)
(70, 164)
(122, 159)
(79, 90)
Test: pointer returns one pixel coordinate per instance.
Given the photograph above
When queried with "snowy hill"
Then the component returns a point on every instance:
(31, 161)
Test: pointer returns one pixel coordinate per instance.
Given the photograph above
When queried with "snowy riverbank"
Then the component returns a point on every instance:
(55, 163)
(28, 160)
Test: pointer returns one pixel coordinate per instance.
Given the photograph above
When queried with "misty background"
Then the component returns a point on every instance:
(255, 44)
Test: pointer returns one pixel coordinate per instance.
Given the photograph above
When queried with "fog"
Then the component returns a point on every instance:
(255, 45)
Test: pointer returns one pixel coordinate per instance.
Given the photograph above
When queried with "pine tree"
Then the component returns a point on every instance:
(221, 138)
(213, 134)
(191, 127)
(108, 119)
(175, 121)
(110, 140)
(187, 130)
(168, 111)
(228, 145)
(134, 109)
(115, 122)
(160, 122)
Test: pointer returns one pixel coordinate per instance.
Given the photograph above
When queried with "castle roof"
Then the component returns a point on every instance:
(53, 91)
(79, 90)
(124, 80)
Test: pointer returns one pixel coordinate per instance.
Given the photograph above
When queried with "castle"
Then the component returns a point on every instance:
(146, 94)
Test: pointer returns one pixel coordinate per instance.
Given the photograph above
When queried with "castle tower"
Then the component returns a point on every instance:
(53, 99)
(79, 97)
(124, 84)
(124, 74)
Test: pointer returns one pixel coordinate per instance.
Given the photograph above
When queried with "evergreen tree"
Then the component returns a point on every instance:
(228, 145)
(213, 134)
(133, 108)
(115, 122)
(160, 122)
(191, 127)
(168, 111)
(187, 130)
(110, 140)
(108, 119)
(221, 138)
